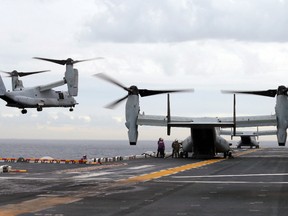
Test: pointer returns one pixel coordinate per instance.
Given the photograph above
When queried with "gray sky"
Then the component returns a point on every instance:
(208, 45)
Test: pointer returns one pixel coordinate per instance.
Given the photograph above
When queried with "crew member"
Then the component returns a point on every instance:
(175, 148)
(161, 148)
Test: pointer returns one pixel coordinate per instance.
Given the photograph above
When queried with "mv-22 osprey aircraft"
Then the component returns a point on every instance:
(43, 95)
(205, 133)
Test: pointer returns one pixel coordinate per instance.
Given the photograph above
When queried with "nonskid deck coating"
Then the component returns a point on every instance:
(253, 180)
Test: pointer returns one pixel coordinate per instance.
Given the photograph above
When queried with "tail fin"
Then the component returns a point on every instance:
(234, 115)
(168, 115)
(2, 87)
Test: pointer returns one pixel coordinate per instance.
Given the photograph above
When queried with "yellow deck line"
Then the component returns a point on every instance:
(170, 171)
(35, 205)
(174, 170)
(38, 204)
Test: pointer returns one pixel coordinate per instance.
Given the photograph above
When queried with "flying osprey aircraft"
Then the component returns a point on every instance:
(42, 95)
(204, 140)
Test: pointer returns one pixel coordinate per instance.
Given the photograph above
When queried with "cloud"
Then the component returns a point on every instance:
(119, 119)
(133, 21)
(208, 45)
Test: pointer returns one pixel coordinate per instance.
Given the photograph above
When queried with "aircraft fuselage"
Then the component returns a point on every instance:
(205, 142)
(33, 98)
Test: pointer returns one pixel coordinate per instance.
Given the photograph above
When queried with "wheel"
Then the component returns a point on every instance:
(71, 109)
(23, 111)
(39, 109)
(230, 154)
(186, 154)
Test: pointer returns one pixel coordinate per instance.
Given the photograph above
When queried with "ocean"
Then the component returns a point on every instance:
(75, 149)
(72, 149)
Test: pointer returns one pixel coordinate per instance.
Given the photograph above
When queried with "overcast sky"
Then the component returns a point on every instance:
(208, 45)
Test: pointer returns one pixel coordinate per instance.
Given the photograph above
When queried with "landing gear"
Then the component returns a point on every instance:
(228, 154)
(39, 108)
(23, 111)
(183, 154)
(71, 109)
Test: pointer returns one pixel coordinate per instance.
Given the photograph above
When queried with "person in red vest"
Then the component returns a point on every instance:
(161, 148)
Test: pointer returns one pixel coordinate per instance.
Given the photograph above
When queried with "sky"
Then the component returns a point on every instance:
(208, 45)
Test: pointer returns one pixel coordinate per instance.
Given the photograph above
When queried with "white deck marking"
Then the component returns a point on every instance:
(221, 182)
(141, 167)
(89, 175)
(239, 175)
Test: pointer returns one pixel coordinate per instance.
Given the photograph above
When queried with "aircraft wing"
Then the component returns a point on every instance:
(52, 85)
(244, 121)
(248, 133)
(252, 121)
(175, 121)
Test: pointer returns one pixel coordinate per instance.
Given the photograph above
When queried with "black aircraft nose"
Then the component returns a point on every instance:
(281, 144)
(132, 143)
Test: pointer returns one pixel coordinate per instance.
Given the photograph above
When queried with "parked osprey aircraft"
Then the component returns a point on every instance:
(132, 104)
(248, 141)
(42, 95)
(248, 138)
(204, 140)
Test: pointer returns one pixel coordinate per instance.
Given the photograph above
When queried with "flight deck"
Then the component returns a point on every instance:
(254, 182)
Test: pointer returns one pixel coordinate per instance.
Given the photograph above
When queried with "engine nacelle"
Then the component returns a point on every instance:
(132, 110)
(281, 136)
(282, 118)
(71, 77)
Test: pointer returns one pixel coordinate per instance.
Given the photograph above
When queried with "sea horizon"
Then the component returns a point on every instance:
(75, 149)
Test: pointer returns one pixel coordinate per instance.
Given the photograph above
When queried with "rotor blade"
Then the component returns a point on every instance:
(61, 62)
(267, 93)
(111, 80)
(146, 92)
(67, 61)
(9, 73)
(21, 74)
(78, 61)
(115, 103)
